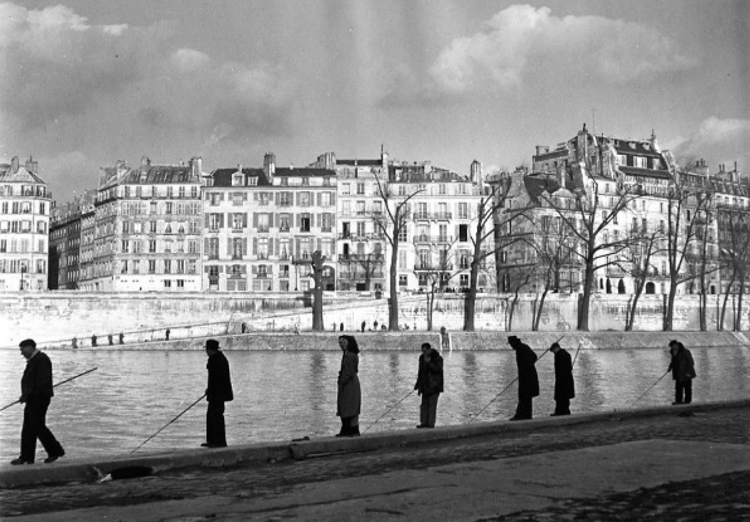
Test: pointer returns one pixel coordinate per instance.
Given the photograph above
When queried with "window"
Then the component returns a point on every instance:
(283, 222)
(239, 221)
(263, 221)
(326, 224)
(238, 247)
(360, 188)
(213, 248)
(402, 233)
(304, 199)
(285, 199)
(152, 246)
(325, 199)
(402, 280)
(215, 222)
(463, 211)
(463, 233)
(402, 259)
(305, 223)
(167, 266)
(345, 189)
(238, 179)
(125, 247)
(215, 198)
(151, 266)
(167, 283)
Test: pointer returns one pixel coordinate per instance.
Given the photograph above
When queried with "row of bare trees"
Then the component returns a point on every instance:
(580, 240)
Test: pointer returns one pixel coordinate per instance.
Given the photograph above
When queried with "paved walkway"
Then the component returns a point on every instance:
(667, 467)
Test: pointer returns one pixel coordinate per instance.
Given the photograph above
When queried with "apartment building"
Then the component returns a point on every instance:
(147, 228)
(262, 226)
(25, 205)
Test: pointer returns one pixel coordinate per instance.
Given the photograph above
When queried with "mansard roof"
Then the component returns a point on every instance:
(160, 174)
(648, 173)
(223, 177)
(22, 175)
(359, 162)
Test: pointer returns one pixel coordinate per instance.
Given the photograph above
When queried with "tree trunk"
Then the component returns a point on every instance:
(317, 265)
(430, 307)
(470, 298)
(738, 321)
(393, 299)
(669, 312)
(583, 311)
(538, 315)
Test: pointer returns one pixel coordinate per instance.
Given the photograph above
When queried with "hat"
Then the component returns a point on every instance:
(212, 344)
(513, 339)
(555, 345)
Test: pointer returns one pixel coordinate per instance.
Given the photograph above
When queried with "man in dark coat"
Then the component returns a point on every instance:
(528, 381)
(218, 392)
(429, 384)
(564, 385)
(683, 372)
(36, 393)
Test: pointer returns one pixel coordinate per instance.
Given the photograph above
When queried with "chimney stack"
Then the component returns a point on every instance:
(14, 164)
(269, 164)
(32, 166)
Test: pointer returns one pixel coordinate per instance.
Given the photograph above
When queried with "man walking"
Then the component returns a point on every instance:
(683, 372)
(528, 381)
(429, 384)
(218, 392)
(36, 393)
(564, 385)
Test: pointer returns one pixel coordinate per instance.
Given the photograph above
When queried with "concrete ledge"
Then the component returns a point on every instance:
(90, 470)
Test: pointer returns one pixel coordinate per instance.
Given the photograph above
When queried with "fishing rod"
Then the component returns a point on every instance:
(649, 388)
(388, 410)
(509, 385)
(54, 386)
(576, 355)
(170, 422)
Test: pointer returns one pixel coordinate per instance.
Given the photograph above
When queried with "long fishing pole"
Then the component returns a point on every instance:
(576, 355)
(54, 386)
(388, 410)
(649, 388)
(509, 385)
(170, 422)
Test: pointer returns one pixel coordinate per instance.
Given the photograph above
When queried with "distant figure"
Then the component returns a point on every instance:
(375, 325)
(683, 372)
(36, 394)
(383, 327)
(349, 396)
(429, 384)
(341, 327)
(444, 339)
(334, 327)
(218, 392)
(109, 339)
(167, 333)
(244, 327)
(528, 381)
(74, 343)
(122, 338)
(364, 325)
(93, 340)
(564, 385)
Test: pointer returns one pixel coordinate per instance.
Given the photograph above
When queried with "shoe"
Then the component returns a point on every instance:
(213, 445)
(354, 431)
(53, 458)
(420, 426)
(676, 403)
(19, 461)
(517, 418)
(206, 445)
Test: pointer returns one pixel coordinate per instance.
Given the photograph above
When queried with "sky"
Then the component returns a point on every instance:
(85, 83)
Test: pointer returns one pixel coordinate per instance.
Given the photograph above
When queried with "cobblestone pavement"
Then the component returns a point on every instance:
(724, 497)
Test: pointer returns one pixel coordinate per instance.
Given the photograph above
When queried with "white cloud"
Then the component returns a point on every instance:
(187, 60)
(718, 141)
(521, 41)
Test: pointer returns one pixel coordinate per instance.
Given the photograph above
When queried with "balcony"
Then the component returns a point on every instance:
(432, 216)
(434, 240)
(433, 267)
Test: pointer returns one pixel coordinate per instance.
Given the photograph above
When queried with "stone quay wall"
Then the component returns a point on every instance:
(55, 318)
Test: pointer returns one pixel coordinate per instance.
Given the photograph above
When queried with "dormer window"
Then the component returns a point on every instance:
(238, 180)
(252, 181)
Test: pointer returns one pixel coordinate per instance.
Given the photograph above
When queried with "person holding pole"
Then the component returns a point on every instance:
(349, 397)
(683, 372)
(564, 385)
(218, 392)
(429, 384)
(528, 381)
(36, 394)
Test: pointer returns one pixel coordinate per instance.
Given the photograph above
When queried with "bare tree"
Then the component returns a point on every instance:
(644, 246)
(687, 206)
(317, 262)
(392, 222)
(437, 275)
(589, 225)
(734, 226)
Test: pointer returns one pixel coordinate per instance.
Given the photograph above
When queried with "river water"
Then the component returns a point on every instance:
(284, 395)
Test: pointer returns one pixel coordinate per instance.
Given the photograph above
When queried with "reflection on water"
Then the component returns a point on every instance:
(285, 395)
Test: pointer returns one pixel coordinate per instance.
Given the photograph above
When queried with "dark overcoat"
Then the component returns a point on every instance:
(564, 385)
(37, 378)
(349, 399)
(682, 365)
(219, 380)
(430, 374)
(528, 381)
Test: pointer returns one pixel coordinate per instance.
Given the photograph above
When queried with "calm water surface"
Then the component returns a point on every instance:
(285, 395)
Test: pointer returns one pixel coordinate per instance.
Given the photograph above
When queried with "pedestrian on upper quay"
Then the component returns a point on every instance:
(364, 325)
(93, 340)
(167, 334)
(528, 381)
(36, 394)
(564, 385)
(218, 392)
(429, 384)
(683, 372)
(349, 399)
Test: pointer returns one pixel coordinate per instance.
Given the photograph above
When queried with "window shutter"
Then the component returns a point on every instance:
(205, 269)
(255, 196)
(255, 221)
(254, 269)
(207, 220)
(244, 220)
(278, 246)
(270, 246)
(205, 246)
(244, 196)
(244, 269)
(244, 246)
(320, 199)
(298, 250)
(255, 246)
(297, 198)
(270, 219)
(229, 247)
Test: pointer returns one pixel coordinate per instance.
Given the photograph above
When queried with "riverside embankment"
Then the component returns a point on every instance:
(672, 463)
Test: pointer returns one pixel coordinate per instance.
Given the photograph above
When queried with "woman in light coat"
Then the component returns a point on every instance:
(349, 400)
